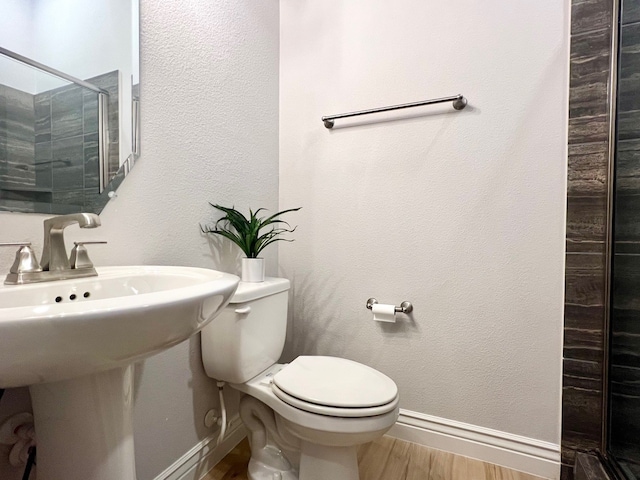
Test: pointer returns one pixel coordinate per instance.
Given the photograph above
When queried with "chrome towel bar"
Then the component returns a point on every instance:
(459, 102)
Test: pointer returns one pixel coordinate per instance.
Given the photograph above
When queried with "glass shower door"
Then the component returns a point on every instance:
(624, 345)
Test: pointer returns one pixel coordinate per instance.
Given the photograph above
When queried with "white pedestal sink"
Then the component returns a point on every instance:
(73, 343)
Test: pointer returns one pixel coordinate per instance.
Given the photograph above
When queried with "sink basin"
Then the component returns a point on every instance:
(58, 330)
(73, 342)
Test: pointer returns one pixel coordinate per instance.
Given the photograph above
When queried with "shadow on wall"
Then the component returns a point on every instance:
(312, 316)
(224, 254)
(301, 333)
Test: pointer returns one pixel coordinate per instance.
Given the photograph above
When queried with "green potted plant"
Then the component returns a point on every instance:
(248, 233)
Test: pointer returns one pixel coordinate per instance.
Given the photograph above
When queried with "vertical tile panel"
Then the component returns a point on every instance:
(44, 171)
(586, 224)
(68, 159)
(587, 169)
(42, 106)
(581, 408)
(625, 402)
(588, 15)
(626, 302)
(17, 125)
(588, 134)
(589, 77)
(629, 69)
(66, 112)
(630, 12)
(584, 306)
(627, 201)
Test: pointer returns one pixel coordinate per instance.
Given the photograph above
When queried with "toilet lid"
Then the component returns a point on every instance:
(335, 382)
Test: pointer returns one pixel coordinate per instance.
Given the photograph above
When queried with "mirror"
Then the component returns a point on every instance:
(69, 102)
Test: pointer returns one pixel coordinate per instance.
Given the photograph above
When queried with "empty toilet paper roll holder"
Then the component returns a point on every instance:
(405, 307)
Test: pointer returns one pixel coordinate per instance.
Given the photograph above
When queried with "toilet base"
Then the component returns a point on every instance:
(288, 443)
(321, 462)
(275, 466)
(317, 462)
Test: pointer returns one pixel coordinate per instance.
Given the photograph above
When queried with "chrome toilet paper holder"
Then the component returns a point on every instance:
(405, 307)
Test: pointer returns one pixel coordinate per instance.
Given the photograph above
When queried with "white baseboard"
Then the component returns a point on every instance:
(493, 446)
(198, 461)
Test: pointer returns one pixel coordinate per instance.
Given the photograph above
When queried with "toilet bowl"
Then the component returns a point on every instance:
(305, 418)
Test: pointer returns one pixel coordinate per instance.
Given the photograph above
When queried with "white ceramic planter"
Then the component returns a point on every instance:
(252, 270)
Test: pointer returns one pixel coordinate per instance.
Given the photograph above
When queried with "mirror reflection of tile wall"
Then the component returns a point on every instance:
(59, 129)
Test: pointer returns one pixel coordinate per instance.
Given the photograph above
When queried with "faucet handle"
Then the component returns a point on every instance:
(26, 260)
(79, 257)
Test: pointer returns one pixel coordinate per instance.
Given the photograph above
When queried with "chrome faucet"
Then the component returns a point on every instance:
(54, 253)
(54, 265)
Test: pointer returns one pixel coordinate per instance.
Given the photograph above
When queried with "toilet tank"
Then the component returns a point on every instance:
(248, 336)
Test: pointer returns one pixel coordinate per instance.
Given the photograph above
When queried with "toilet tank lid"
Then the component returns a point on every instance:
(248, 291)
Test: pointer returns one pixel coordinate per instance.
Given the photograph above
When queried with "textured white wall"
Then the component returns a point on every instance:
(209, 84)
(15, 20)
(83, 39)
(460, 213)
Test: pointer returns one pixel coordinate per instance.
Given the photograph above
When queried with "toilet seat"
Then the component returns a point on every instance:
(335, 386)
(343, 412)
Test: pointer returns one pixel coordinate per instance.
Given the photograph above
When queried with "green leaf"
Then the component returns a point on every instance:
(245, 231)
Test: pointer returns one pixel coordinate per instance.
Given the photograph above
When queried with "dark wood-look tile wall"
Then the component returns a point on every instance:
(625, 399)
(16, 138)
(587, 180)
(588, 94)
(630, 12)
(586, 226)
(581, 407)
(61, 130)
(625, 318)
(66, 112)
(584, 307)
(627, 224)
(588, 15)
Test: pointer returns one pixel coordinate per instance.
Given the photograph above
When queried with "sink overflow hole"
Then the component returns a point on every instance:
(86, 294)
(58, 299)
(72, 296)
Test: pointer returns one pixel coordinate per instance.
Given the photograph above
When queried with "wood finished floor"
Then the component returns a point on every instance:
(390, 459)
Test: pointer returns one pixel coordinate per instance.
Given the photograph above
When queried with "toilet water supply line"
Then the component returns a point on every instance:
(223, 414)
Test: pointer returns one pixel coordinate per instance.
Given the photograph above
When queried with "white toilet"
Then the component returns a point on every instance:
(305, 418)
